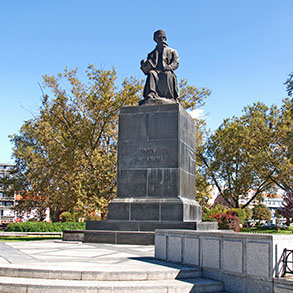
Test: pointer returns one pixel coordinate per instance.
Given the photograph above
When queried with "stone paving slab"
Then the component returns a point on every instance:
(12, 255)
(66, 254)
(80, 257)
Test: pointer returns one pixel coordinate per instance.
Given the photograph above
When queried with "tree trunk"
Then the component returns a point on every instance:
(55, 213)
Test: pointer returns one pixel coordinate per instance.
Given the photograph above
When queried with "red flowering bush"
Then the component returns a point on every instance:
(228, 221)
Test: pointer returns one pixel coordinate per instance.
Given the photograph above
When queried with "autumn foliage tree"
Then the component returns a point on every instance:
(67, 154)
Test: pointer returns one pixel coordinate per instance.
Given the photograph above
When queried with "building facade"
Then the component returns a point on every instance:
(272, 201)
(7, 200)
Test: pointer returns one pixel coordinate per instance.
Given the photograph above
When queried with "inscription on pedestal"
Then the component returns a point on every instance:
(149, 155)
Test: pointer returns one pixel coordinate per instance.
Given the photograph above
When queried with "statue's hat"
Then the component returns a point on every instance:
(159, 33)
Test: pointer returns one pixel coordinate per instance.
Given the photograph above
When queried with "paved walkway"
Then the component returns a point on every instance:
(76, 255)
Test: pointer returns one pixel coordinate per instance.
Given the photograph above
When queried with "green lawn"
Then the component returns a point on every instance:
(288, 230)
(28, 238)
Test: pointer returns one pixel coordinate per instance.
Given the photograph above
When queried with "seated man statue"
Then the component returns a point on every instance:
(161, 85)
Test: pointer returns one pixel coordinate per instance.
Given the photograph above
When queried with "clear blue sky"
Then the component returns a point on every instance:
(242, 50)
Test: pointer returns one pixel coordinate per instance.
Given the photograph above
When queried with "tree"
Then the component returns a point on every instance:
(262, 213)
(203, 187)
(287, 208)
(250, 152)
(289, 88)
(67, 154)
(289, 84)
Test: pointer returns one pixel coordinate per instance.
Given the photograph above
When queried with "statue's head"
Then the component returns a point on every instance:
(160, 36)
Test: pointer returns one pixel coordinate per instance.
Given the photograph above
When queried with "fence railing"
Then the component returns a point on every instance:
(287, 262)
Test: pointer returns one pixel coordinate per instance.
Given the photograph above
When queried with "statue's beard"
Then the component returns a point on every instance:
(162, 43)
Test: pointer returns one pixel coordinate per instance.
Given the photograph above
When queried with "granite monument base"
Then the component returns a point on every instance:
(156, 165)
(161, 209)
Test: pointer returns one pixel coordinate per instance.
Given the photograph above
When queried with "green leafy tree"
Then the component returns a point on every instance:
(250, 152)
(203, 186)
(243, 214)
(262, 213)
(289, 84)
(67, 154)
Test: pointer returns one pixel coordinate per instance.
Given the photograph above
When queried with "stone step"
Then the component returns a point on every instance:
(93, 274)
(31, 285)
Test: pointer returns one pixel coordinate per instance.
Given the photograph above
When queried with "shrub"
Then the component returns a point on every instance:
(243, 214)
(69, 217)
(207, 218)
(228, 221)
(44, 227)
(209, 213)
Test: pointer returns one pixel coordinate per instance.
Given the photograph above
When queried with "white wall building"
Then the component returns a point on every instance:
(7, 201)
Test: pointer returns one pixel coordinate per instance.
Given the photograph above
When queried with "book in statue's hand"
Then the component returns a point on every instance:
(146, 66)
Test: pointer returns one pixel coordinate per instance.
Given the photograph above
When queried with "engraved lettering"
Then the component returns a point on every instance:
(148, 159)
(148, 150)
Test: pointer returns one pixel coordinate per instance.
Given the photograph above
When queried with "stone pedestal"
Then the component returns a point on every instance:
(156, 178)
(156, 166)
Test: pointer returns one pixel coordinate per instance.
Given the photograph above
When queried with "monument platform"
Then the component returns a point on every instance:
(56, 266)
(130, 232)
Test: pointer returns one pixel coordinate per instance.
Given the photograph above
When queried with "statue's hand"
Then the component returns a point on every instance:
(142, 61)
(167, 68)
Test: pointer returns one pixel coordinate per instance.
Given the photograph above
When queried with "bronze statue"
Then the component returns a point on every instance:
(161, 85)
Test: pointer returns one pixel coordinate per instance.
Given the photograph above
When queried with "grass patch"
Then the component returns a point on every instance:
(28, 238)
(289, 230)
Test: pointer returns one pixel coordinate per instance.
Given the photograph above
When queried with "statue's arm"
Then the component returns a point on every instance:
(175, 61)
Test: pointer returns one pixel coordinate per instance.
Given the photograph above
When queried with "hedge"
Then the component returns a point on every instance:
(44, 227)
